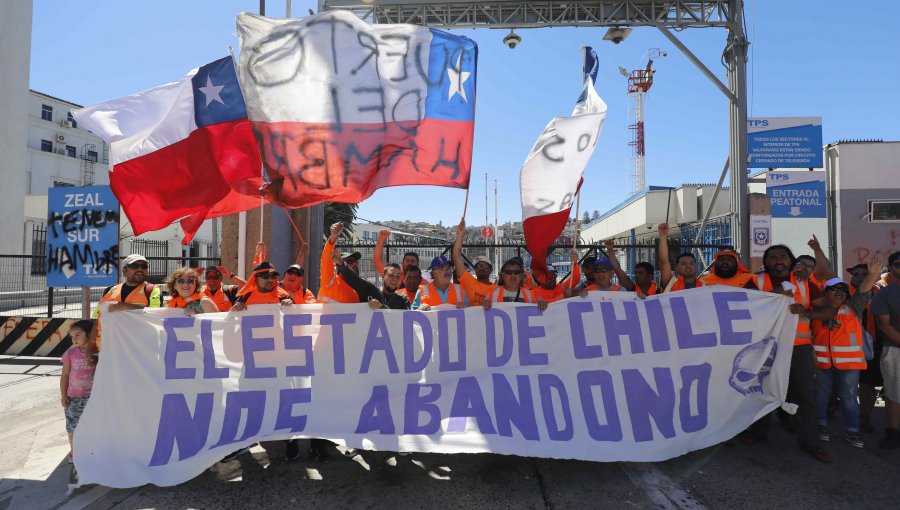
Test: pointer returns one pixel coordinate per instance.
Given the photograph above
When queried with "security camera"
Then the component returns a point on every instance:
(512, 40)
(616, 34)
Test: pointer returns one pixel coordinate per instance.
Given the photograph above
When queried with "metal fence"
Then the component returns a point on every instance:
(24, 292)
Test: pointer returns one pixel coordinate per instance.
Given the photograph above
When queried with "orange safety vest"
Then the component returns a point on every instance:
(650, 292)
(549, 295)
(676, 284)
(180, 302)
(815, 281)
(840, 347)
(615, 288)
(497, 295)
(431, 296)
(219, 298)
(265, 298)
(136, 297)
(301, 296)
(738, 280)
(801, 295)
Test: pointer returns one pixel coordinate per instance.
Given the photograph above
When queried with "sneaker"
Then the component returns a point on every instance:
(235, 454)
(891, 439)
(291, 449)
(854, 439)
(824, 434)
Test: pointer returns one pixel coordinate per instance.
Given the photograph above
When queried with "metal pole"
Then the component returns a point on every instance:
(736, 59)
(496, 230)
(50, 302)
(708, 212)
(487, 250)
(85, 302)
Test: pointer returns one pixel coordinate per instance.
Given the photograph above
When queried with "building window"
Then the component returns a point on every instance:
(46, 146)
(61, 184)
(70, 151)
(884, 211)
(72, 120)
(92, 156)
(47, 112)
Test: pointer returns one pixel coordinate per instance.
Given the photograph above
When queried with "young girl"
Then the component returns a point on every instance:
(79, 363)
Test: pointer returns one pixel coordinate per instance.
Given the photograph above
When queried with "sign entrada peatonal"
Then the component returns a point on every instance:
(784, 142)
(82, 237)
(796, 194)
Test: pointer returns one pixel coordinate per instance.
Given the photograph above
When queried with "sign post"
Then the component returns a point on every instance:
(82, 237)
(487, 232)
(784, 142)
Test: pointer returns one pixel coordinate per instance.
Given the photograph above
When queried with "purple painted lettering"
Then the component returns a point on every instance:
(615, 328)
(376, 413)
(210, 370)
(612, 429)
(287, 398)
(410, 321)
(301, 343)
(727, 316)
(579, 340)
(252, 345)
(691, 376)
(378, 339)
(510, 410)
(445, 363)
(178, 425)
(416, 403)
(468, 401)
(527, 333)
(174, 346)
(684, 332)
(495, 359)
(337, 322)
(644, 402)
(236, 403)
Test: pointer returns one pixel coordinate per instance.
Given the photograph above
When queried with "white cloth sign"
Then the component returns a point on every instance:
(603, 378)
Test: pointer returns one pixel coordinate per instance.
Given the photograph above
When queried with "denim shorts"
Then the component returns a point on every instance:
(73, 412)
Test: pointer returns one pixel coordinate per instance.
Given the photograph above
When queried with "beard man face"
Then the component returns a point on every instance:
(726, 266)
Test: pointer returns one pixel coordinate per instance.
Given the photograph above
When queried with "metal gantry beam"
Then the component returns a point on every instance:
(536, 14)
(662, 14)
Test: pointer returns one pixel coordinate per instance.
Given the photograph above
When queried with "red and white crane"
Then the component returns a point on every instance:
(639, 83)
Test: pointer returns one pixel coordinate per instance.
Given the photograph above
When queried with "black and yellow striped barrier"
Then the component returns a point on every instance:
(35, 336)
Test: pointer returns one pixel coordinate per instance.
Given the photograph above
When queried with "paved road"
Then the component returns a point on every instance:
(775, 473)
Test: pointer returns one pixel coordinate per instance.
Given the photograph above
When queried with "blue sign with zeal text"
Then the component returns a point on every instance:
(82, 237)
(784, 142)
(796, 194)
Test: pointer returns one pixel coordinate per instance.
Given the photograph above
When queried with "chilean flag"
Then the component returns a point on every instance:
(181, 150)
(553, 170)
(341, 108)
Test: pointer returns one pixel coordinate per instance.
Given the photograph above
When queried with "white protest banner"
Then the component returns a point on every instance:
(603, 378)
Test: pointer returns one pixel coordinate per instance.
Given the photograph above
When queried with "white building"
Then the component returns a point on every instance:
(61, 153)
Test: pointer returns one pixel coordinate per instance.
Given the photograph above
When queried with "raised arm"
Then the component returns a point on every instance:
(456, 253)
(226, 273)
(365, 290)
(665, 268)
(575, 277)
(823, 269)
(624, 280)
(326, 266)
(383, 236)
(304, 250)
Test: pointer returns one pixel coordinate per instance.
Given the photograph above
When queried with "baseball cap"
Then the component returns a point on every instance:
(265, 265)
(296, 267)
(834, 282)
(601, 261)
(439, 261)
(135, 257)
(482, 258)
(351, 255)
(213, 269)
(857, 266)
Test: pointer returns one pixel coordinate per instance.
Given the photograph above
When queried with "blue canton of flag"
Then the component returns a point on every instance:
(217, 95)
(451, 77)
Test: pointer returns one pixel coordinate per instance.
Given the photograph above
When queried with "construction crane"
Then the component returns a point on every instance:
(639, 83)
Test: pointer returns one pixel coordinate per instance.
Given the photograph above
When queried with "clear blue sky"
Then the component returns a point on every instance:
(807, 60)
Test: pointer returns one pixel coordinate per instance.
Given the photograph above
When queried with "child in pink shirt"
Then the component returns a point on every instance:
(77, 379)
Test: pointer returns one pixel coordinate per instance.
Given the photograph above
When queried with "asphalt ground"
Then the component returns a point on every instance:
(34, 473)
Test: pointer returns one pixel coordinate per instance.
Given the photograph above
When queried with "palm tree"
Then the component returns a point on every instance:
(345, 213)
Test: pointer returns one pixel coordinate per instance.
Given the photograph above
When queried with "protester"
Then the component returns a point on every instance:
(727, 270)
(588, 264)
(862, 290)
(550, 290)
(333, 288)
(410, 258)
(778, 261)
(411, 282)
(224, 296)
(262, 289)
(510, 289)
(886, 308)
(133, 294)
(476, 288)
(685, 276)
(77, 379)
(643, 279)
(184, 293)
(837, 341)
(293, 284)
(440, 290)
(822, 266)
(603, 271)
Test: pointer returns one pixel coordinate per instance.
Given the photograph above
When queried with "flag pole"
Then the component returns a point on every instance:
(466, 204)
(577, 212)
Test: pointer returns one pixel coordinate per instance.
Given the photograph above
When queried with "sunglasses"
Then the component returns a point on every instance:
(138, 265)
(213, 277)
(294, 272)
(267, 276)
(845, 290)
(185, 281)
(482, 265)
(512, 272)
(602, 270)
